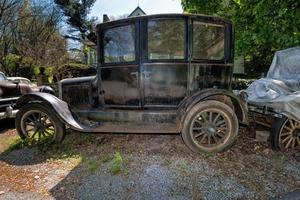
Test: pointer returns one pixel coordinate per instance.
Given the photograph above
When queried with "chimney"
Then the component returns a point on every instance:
(105, 18)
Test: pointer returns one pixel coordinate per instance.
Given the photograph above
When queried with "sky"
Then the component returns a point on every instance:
(121, 7)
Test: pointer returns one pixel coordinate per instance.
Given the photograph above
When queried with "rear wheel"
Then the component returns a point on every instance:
(210, 126)
(285, 134)
(37, 123)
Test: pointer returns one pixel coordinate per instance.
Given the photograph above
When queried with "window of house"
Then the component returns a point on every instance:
(166, 39)
(119, 44)
(208, 41)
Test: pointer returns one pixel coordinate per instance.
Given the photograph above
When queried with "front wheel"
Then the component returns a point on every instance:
(37, 123)
(210, 126)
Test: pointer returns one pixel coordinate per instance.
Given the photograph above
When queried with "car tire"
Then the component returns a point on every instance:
(285, 134)
(210, 127)
(46, 127)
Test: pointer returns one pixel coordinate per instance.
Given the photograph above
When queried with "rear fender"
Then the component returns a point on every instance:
(60, 107)
(239, 106)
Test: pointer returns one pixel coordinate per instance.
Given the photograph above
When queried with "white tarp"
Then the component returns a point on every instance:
(280, 89)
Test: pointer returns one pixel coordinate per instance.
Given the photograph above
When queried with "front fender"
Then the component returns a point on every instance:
(239, 106)
(60, 107)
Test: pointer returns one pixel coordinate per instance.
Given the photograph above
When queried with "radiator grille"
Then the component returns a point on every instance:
(76, 94)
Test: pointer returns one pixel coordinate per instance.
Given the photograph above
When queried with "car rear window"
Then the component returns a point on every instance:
(208, 41)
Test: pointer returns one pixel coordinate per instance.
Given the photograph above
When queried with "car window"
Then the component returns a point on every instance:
(119, 44)
(208, 41)
(2, 77)
(166, 39)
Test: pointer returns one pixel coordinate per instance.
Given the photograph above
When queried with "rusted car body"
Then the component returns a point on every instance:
(153, 72)
(10, 91)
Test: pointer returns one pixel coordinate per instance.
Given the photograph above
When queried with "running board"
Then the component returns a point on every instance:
(158, 128)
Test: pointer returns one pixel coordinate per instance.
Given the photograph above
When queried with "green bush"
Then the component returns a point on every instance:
(73, 70)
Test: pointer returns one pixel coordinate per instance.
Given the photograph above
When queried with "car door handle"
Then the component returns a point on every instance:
(134, 74)
(147, 74)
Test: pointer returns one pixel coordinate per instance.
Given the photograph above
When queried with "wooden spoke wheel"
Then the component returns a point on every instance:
(285, 134)
(210, 126)
(38, 124)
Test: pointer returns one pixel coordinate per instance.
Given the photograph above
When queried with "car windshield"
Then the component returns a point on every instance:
(2, 77)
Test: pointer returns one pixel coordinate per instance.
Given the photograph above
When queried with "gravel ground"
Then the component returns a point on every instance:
(145, 167)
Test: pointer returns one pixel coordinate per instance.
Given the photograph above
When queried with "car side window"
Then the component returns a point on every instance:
(119, 44)
(166, 39)
(208, 41)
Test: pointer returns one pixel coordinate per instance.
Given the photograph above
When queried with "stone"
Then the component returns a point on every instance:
(262, 136)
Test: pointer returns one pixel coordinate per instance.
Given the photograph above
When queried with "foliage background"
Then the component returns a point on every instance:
(262, 27)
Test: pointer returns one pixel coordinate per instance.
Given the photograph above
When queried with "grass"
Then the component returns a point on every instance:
(93, 165)
(117, 164)
(15, 144)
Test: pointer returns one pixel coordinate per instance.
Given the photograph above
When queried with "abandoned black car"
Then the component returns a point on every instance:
(156, 74)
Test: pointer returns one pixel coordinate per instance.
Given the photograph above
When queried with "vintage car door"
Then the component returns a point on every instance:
(211, 54)
(120, 64)
(164, 68)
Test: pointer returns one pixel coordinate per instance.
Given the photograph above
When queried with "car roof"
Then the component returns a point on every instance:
(199, 16)
(16, 77)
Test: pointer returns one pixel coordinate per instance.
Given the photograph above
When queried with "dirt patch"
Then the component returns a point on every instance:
(148, 167)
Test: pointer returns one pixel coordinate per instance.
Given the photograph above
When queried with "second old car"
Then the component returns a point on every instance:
(159, 74)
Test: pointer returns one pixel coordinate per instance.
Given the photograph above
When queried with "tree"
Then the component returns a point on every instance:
(76, 12)
(262, 26)
(30, 36)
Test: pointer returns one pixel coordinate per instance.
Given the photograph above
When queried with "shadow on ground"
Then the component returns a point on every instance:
(157, 167)
(6, 124)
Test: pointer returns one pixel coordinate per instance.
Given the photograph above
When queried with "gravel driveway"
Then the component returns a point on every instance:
(145, 167)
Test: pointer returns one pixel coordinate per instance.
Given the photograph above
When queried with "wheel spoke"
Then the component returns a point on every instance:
(32, 136)
(197, 128)
(215, 138)
(216, 118)
(289, 142)
(220, 134)
(219, 123)
(199, 122)
(34, 117)
(210, 116)
(204, 117)
(285, 139)
(285, 134)
(30, 129)
(209, 140)
(292, 124)
(205, 135)
(48, 133)
(288, 128)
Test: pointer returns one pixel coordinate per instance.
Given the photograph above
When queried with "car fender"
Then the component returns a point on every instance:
(60, 107)
(240, 107)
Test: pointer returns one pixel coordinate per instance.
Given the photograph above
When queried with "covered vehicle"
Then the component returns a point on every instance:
(11, 90)
(278, 95)
(156, 74)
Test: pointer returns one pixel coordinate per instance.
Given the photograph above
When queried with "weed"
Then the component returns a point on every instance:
(117, 163)
(106, 158)
(209, 154)
(93, 165)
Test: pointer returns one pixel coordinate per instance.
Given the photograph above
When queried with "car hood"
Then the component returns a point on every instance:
(10, 89)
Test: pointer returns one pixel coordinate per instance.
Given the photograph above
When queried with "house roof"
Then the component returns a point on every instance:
(137, 12)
